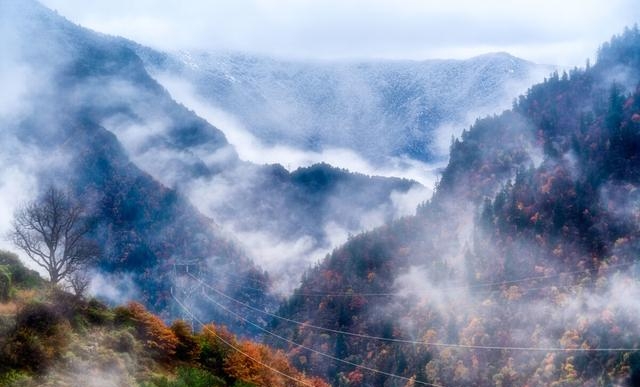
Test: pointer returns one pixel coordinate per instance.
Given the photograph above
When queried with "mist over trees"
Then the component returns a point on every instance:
(521, 270)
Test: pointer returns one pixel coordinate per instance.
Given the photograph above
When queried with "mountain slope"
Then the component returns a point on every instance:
(51, 338)
(80, 78)
(85, 114)
(522, 268)
(379, 109)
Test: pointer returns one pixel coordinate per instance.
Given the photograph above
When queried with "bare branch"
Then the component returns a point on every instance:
(52, 232)
(79, 282)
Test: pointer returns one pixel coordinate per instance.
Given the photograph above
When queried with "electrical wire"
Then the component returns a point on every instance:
(242, 318)
(461, 287)
(414, 342)
(451, 288)
(238, 349)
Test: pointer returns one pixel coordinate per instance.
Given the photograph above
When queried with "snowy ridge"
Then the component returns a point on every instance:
(379, 109)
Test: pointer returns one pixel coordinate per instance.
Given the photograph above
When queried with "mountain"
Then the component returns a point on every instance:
(72, 80)
(378, 109)
(162, 185)
(522, 268)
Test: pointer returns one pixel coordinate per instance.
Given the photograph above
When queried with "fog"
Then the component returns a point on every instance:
(225, 181)
(284, 255)
(49, 114)
(481, 279)
(250, 148)
(116, 289)
(225, 196)
(22, 164)
(15, 181)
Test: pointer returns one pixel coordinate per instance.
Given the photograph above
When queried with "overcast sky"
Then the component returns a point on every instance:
(563, 32)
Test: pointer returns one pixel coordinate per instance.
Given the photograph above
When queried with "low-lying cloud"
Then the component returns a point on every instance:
(252, 149)
(116, 289)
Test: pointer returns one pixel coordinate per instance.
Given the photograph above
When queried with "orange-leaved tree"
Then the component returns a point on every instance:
(160, 340)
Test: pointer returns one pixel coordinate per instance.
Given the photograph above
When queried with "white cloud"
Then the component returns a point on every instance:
(534, 29)
(284, 258)
(251, 149)
(21, 166)
(116, 289)
(15, 88)
(15, 186)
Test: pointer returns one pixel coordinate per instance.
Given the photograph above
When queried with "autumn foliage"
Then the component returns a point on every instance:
(214, 349)
(249, 362)
(530, 241)
(156, 336)
(45, 333)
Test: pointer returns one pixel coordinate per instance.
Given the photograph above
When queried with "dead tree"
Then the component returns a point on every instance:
(52, 232)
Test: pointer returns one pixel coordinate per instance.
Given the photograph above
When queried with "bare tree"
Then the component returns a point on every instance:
(52, 232)
(79, 281)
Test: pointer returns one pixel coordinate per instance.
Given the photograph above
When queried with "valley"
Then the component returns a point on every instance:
(263, 221)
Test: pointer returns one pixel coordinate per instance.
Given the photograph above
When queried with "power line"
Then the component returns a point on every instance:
(365, 336)
(451, 288)
(462, 287)
(319, 352)
(238, 349)
(352, 294)
(249, 279)
(414, 342)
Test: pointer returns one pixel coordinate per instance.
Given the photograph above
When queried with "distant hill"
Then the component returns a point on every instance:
(378, 109)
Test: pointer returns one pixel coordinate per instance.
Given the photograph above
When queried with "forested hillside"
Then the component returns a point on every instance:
(522, 268)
